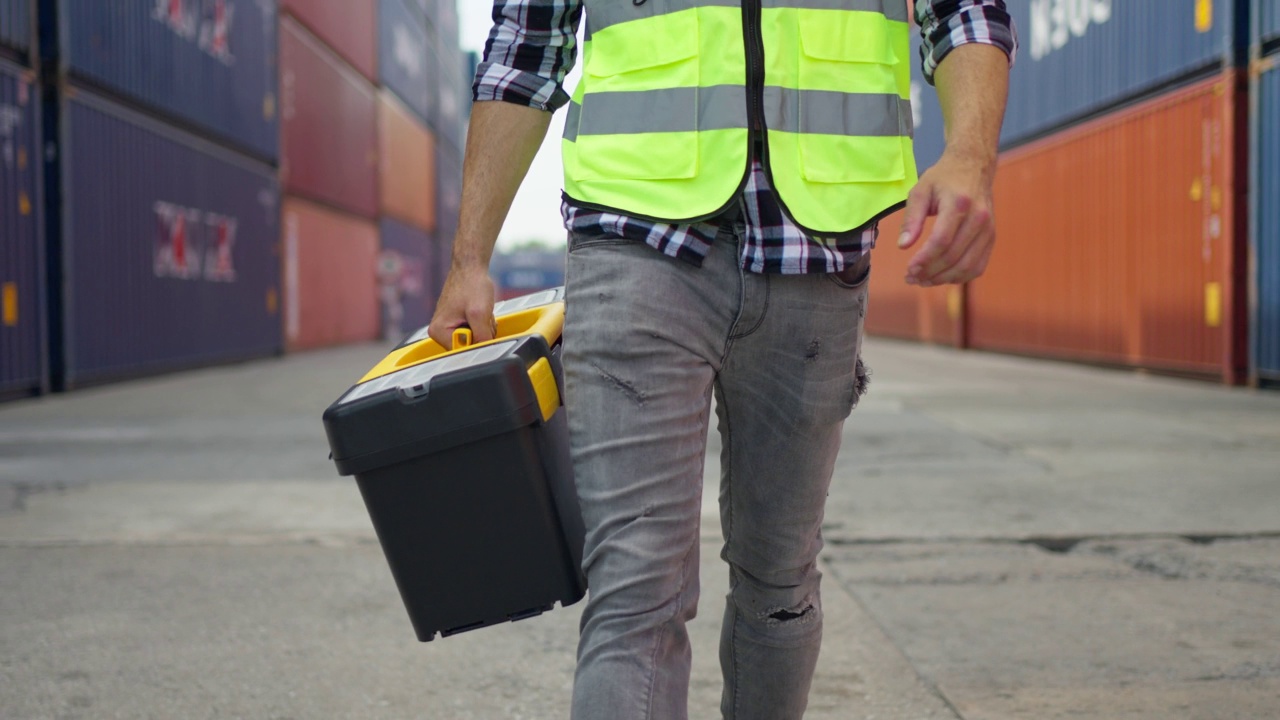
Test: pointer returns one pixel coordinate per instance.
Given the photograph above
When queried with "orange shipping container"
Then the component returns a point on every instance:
(330, 277)
(896, 309)
(408, 168)
(1120, 240)
(350, 28)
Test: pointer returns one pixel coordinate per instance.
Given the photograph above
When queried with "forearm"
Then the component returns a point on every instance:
(501, 143)
(973, 87)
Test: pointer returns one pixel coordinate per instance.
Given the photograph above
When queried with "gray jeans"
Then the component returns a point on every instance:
(648, 339)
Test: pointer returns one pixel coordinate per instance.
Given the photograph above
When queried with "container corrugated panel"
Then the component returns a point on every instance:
(407, 56)
(446, 21)
(21, 302)
(408, 278)
(209, 63)
(330, 117)
(448, 204)
(350, 28)
(1267, 19)
(1079, 57)
(170, 253)
(896, 309)
(330, 277)
(408, 167)
(1266, 243)
(16, 25)
(926, 114)
(1118, 240)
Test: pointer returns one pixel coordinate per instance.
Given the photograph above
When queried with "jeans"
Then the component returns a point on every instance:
(648, 339)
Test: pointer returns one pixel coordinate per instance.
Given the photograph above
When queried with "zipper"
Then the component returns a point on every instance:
(754, 41)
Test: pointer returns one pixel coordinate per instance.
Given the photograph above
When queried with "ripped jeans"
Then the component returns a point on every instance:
(648, 340)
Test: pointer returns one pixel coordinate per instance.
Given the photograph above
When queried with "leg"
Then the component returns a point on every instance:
(643, 336)
(782, 397)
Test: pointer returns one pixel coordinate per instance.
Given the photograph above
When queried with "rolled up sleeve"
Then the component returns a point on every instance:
(947, 24)
(530, 50)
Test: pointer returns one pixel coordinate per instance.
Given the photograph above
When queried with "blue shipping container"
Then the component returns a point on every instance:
(16, 25)
(1266, 20)
(1081, 57)
(408, 277)
(169, 250)
(22, 367)
(406, 57)
(207, 63)
(448, 204)
(1266, 224)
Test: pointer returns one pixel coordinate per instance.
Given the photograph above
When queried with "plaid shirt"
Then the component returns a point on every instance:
(532, 47)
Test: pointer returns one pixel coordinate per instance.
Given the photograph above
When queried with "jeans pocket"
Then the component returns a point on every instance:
(852, 278)
(581, 241)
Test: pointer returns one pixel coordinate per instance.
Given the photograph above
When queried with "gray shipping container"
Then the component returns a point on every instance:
(1266, 220)
(17, 26)
(22, 356)
(409, 278)
(407, 57)
(170, 252)
(1266, 21)
(448, 203)
(209, 64)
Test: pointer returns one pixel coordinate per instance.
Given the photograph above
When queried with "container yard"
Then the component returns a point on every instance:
(1136, 203)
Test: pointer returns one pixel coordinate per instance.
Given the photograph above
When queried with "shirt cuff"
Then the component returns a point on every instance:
(499, 82)
(981, 23)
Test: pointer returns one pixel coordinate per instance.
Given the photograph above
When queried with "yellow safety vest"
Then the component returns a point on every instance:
(674, 93)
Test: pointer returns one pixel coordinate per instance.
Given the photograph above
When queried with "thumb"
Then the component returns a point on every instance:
(919, 204)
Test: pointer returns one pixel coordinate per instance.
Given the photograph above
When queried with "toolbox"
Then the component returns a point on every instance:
(462, 457)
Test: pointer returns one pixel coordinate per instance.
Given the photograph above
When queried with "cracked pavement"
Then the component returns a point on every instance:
(1006, 538)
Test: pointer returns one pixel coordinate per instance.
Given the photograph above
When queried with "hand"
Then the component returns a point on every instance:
(958, 191)
(467, 299)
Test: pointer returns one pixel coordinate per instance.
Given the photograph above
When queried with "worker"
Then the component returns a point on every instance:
(726, 166)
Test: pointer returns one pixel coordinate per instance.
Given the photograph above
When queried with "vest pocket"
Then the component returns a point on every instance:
(639, 118)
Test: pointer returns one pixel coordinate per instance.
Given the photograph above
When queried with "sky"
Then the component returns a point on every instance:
(535, 214)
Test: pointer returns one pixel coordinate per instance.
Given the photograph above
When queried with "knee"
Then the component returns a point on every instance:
(786, 601)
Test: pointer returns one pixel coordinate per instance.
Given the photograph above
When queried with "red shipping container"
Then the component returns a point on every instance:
(408, 168)
(330, 277)
(896, 309)
(330, 125)
(1120, 240)
(350, 28)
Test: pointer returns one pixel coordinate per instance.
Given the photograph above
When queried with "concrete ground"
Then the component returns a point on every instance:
(1006, 539)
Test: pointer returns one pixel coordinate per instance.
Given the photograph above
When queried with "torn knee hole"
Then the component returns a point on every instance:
(783, 615)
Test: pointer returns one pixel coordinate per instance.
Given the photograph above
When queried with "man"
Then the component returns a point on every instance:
(726, 164)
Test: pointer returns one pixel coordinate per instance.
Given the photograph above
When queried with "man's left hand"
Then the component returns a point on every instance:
(958, 191)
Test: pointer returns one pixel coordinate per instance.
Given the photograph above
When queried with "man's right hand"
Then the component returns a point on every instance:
(466, 300)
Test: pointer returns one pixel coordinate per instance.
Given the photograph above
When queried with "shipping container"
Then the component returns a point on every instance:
(1266, 225)
(896, 309)
(22, 355)
(408, 168)
(330, 125)
(407, 57)
(1120, 240)
(330, 277)
(453, 101)
(407, 278)
(1266, 22)
(210, 64)
(448, 204)
(169, 248)
(524, 272)
(446, 21)
(17, 28)
(350, 28)
(1082, 57)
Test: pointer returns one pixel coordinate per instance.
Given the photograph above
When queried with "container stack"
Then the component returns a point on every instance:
(1265, 72)
(1119, 201)
(456, 72)
(22, 358)
(161, 206)
(329, 171)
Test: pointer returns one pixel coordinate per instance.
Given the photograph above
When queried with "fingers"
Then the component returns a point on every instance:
(466, 300)
(920, 205)
(952, 210)
(972, 264)
(482, 323)
(959, 261)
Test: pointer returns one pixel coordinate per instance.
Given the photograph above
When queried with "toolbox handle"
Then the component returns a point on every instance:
(461, 338)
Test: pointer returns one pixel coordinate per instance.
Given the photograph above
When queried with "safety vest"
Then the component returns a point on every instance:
(675, 92)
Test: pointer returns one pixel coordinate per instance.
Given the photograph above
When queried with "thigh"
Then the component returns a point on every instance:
(782, 398)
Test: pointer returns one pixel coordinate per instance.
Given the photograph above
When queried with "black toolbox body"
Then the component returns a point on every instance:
(462, 459)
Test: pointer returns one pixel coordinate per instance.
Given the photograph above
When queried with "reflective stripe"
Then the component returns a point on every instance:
(892, 9)
(606, 14)
(723, 107)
